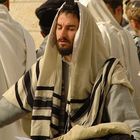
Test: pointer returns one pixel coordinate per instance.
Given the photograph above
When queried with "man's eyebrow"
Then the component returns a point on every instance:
(58, 24)
(71, 25)
(68, 25)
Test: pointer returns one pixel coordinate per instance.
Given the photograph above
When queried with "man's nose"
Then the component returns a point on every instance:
(63, 33)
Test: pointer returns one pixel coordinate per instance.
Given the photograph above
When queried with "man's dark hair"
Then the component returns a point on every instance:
(70, 8)
(114, 3)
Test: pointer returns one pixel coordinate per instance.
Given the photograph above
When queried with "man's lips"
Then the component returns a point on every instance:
(63, 42)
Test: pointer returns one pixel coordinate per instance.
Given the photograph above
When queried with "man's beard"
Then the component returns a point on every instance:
(64, 51)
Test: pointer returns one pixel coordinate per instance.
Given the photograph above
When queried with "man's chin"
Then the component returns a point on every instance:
(63, 45)
(65, 51)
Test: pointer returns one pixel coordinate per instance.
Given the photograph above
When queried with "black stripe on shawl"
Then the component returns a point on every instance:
(41, 117)
(37, 69)
(55, 127)
(86, 105)
(57, 96)
(40, 138)
(109, 65)
(56, 111)
(77, 101)
(93, 93)
(48, 104)
(28, 86)
(18, 97)
(102, 96)
(111, 61)
(39, 103)
(44, 88)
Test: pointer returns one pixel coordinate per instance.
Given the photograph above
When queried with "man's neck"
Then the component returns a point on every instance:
(68, 58)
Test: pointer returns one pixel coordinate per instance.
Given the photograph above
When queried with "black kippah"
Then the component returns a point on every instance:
(46, 13)
(50, 5)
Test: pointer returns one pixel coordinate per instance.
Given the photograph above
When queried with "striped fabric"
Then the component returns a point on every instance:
(39, 91)
(119, 43)
(46, 110)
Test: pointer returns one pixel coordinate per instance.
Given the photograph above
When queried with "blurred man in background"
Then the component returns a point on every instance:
(17, 54)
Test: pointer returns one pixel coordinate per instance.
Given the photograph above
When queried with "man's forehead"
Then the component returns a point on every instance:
(67, 18)
(67, 14)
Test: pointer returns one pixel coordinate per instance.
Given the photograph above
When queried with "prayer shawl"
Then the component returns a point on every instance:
(118, 42)
(17, 51)
(17, 55)
(39, 90)
(96, 132)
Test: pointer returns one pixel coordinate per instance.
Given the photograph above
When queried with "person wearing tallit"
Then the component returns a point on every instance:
(74, 91)
(132, 11)
(118, 41)
(17, 55)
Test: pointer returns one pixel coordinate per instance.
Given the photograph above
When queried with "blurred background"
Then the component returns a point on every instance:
(24, 12)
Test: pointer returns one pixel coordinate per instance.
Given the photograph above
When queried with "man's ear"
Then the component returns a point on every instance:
(135, 24)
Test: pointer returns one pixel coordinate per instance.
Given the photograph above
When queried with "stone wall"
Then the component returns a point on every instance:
(23, 12)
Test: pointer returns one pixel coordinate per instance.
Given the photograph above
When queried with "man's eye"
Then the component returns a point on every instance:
(59, 27)
(72, 29)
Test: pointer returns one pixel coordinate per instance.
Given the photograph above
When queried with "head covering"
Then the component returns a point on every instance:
(118, 41)
(88, 40)
(46, 13)
(101, 12)
(113, 32)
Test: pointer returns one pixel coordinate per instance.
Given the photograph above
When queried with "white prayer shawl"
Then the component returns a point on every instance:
(17, 55)
(39, 90)
(118, 42)
(17, 51)
(88, 57)
(97, 131)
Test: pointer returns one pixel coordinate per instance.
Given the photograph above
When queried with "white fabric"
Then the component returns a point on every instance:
(118, 42)
(88, 57)
(17, 54)
(17, 50)
(22, 138)
(83, 133)
(92, 59)
(121, 108)
(40, 51)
